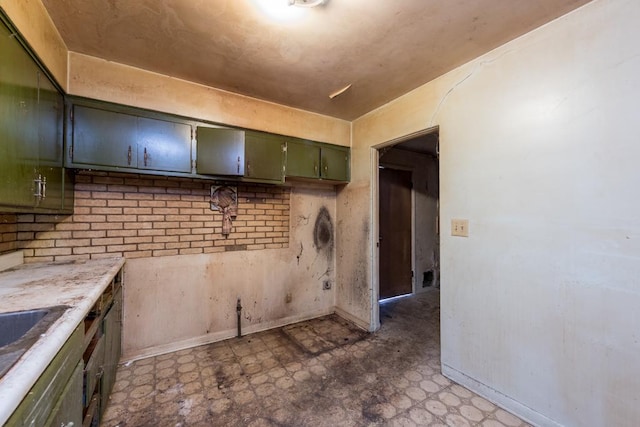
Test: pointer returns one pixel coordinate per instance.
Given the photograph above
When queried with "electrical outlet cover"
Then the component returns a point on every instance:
(460, 227)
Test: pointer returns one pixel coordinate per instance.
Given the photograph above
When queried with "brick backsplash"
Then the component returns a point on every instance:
(8, 233)
(134, 216)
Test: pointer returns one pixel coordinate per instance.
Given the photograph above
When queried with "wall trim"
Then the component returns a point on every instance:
(529, 415)
(222, 335)
(363, 324)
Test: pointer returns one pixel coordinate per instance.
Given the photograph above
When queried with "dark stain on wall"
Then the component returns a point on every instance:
(323, 233)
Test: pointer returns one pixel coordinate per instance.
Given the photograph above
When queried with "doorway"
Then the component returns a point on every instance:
(395, 232)
(408, 215)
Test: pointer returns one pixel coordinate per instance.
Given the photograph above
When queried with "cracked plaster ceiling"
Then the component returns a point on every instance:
(384, 48)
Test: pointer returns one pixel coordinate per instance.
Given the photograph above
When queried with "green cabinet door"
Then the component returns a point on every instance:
(103, 138)
(303, 159)
(31, 133)
(120, 140)
(163, 145)
(264, 157)
(50, 133)
(308, 159)
(68, 410)
(41, 401)
(18, 123)
(334, 163)
(220, 151)
(112, 347)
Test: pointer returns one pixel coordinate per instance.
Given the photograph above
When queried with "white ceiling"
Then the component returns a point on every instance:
(384, 48)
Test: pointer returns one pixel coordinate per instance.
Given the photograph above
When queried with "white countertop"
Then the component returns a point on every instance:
(77, 284)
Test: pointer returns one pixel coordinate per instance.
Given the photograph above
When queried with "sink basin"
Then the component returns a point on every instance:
(19, 330)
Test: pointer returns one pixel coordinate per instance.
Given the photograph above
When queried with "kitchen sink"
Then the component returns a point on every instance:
(19, 330)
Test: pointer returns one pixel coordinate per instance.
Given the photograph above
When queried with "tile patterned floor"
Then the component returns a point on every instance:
(316, 373)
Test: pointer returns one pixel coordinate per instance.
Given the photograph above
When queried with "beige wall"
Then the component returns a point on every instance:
(108, 81)
(33, 21)
(538, 149)
(181, 301)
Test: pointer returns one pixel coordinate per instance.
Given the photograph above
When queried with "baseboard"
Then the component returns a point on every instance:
(221, 336)
(351, 318)
(529, 415)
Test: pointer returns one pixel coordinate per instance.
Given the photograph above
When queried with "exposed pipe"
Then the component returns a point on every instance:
(239, 313)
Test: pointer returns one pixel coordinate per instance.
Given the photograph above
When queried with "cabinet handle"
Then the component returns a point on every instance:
(129, 156)
(326, 168)
(38, 187)
(315, 167)
(146, 156)
(248, 168)
(238, 165)
(44, 187)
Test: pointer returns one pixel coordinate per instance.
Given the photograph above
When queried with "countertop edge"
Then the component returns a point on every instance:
(17, 382)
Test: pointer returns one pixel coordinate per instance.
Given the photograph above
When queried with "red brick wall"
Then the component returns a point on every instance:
(8, 233)
(135, 216)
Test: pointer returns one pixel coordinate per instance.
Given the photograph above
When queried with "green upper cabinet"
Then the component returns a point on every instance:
(264, 157)
(220, 151)
(103, 138)
(252, 156)
(164, 145)
(303, 159)
(308, 159)
(334, 162)
(114, 140)
(31, 134)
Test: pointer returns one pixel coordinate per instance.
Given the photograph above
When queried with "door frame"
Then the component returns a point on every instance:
(375, 224)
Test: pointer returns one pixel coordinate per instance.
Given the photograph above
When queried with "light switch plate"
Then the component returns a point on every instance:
(460, 227)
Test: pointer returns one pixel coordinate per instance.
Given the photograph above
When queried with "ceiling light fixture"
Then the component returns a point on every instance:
(306, 3)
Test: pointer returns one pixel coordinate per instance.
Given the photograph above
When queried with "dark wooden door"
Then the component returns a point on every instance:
(395, 232)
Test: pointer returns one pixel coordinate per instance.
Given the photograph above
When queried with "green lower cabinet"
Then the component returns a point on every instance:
(68, 410)
(45, 396)
(112, 350)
